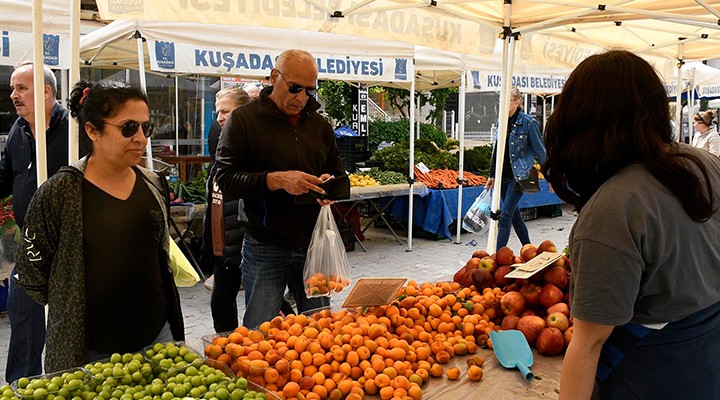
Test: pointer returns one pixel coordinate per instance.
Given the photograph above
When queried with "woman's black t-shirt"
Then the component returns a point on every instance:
(125, 300)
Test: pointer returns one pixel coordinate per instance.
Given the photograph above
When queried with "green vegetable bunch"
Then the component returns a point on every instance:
(387, 177)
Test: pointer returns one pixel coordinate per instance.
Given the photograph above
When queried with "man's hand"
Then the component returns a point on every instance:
(294, 182)
(490, 183)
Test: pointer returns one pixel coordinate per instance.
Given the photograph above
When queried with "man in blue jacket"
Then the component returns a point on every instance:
(18, 176)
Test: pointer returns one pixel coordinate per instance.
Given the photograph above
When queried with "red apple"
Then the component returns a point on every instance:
(559, 307)
(472, 264)
(505, 256)
(528, 252)
(531, 291)
(459, 275)
(480, 254)
(482, 278)
(547, 245)
(550, 295)
(512, 303)
(557, 320)
(567, 336)
(560, 262)
(509, 322)
(530, 326)
(500, 278)
(529, 311)
(537, 278)
(513, 287)
(489, 264)
(557, 276)
(518, 260)
(550, 342)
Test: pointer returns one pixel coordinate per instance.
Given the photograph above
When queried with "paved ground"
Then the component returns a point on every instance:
(428, 261)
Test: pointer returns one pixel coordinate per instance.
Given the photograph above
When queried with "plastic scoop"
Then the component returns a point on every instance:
(512, 350)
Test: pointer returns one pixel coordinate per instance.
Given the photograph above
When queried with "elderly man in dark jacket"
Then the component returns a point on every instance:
(18, 176)
(271, 151)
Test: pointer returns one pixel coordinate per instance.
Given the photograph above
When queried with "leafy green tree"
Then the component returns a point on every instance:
(337, 97)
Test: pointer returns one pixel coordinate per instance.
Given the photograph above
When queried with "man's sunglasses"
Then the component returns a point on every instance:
(294, 88)
(130, 128)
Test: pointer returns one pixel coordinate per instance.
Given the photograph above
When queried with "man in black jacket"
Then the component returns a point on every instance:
(18, 176)
(270, 151)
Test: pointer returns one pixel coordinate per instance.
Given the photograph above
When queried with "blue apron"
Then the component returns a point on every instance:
(679, 361)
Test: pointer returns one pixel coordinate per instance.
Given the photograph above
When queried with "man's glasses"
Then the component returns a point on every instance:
(294, 88)
(129, 128)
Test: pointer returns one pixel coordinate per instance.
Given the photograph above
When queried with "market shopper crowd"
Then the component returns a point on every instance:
(643, 294)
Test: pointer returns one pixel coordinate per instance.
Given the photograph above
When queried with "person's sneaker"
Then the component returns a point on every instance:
(209, 283)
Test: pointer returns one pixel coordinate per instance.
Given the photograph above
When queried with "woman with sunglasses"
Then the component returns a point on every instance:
(95, 244)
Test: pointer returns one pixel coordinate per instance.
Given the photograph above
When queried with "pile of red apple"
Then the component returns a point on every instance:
(538, 307)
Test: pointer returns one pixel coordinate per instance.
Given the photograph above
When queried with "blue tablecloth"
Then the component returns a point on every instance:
(436, 211)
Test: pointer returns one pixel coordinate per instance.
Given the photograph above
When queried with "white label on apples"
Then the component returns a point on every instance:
(530, 268)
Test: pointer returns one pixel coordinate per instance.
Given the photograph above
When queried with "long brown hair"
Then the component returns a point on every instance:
(613, 111)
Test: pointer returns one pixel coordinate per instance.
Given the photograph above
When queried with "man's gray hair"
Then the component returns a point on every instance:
(49, 75)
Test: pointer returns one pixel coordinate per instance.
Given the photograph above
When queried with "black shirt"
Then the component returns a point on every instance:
(125, 302)
(507, 166)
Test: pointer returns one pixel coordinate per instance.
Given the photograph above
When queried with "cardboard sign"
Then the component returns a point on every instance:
(422, 167)
(530, 268)
(371, 292)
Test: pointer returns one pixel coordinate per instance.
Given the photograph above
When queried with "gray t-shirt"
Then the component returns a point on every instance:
(638, 257)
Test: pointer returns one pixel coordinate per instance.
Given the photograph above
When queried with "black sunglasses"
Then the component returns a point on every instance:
(129, 128)
(294, 88)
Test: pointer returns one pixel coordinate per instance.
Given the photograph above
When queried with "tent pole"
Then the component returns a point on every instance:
(74, 76)
(39, 87)
(417, 118)
(506, 84)
(691, 102)
(678, 97)
(461, 164)
(143, 86)
(177, 118)
(411, 174)
(64, 95)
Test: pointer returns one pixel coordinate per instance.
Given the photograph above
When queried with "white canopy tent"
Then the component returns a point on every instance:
(680, 29)
(46, 32)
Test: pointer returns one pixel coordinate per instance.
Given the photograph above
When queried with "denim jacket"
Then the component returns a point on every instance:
(525, 145)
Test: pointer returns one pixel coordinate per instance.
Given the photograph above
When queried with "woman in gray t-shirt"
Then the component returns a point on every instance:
(645, 287)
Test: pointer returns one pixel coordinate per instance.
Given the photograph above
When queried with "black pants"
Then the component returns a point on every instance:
(223, 302)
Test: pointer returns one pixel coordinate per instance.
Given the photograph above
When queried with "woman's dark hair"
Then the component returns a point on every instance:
(94, 102)
(613, 112)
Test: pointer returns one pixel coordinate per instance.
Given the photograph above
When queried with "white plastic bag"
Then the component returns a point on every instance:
(477, 219)
(327, 270)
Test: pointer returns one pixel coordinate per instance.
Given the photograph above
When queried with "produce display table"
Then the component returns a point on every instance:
(498, 383)
(437, 211)
(373, 196)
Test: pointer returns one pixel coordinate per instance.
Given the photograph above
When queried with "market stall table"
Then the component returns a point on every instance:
(437, 211)
(373, 195)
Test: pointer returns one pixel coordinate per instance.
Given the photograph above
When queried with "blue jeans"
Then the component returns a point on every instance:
(27, 334)
(267, 270)
(511, 215)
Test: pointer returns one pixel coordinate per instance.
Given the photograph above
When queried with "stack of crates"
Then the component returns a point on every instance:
(529, 214)
(353, 149)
